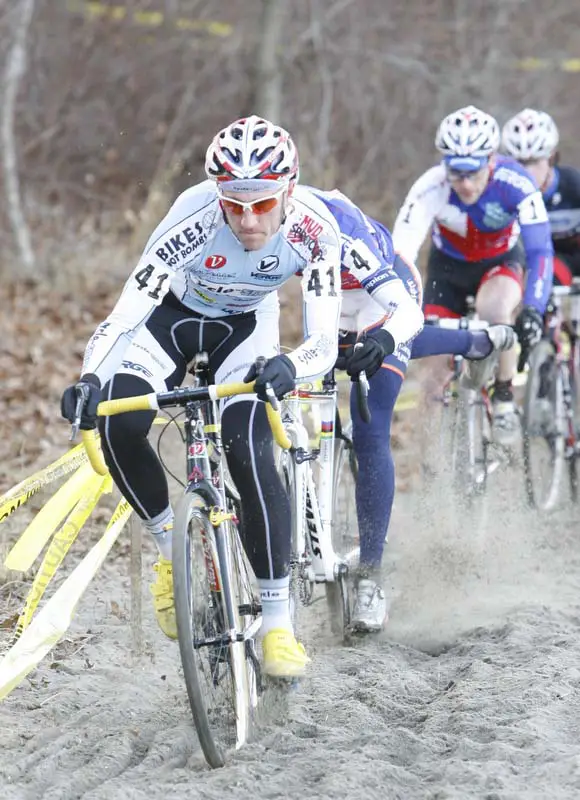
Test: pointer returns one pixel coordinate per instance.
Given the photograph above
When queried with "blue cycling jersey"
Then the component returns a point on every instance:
(510, 206)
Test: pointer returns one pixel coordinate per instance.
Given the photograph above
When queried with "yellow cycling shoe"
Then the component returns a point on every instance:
(284, 657)
(162, 591)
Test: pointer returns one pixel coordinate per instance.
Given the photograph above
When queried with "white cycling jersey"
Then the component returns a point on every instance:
(194, 254)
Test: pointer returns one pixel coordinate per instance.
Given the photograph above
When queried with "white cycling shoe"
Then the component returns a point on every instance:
(505, 422)
(479, 372)
(370, 607)
(502, 337)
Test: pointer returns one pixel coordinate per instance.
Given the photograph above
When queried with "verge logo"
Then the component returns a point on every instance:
(268, 263)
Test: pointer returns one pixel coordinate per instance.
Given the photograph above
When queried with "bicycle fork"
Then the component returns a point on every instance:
(312, 514)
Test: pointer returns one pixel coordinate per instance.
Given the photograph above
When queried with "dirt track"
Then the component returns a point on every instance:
(473, 690)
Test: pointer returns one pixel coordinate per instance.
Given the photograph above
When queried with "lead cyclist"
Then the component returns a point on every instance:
(207, 281)
(381, 308)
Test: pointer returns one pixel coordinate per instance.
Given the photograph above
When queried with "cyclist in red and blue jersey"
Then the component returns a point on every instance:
(477, 205)
(532, 137)
(381, 307)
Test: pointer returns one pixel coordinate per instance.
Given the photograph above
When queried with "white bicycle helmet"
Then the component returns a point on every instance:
(530, 134)
(467, 138)
(251, 153)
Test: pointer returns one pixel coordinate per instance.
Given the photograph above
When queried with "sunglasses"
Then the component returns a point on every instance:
(237, 207)
(530, 162)
(457, 175)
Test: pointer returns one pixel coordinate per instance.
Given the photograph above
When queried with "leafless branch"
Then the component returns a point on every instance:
(268, 80)
(15, 69)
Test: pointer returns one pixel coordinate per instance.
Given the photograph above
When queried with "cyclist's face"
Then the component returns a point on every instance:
(469, 186)
(254, 217)
(539, 169)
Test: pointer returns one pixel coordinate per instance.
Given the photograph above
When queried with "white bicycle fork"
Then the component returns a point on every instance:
(312, 511)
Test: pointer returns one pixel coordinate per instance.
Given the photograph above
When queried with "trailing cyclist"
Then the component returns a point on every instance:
(207, 281)
(381, 308)
(531, 137)
(477, 204)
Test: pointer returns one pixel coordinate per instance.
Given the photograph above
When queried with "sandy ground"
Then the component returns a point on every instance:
(473, 690)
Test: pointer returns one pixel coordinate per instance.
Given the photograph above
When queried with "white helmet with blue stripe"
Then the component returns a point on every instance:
(530, 134)
(467, 138)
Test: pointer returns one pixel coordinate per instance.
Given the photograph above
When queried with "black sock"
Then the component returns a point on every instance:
(502, 391)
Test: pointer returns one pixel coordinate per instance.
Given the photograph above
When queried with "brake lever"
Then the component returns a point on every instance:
(362, 392)
(272, 399)
(82, 391)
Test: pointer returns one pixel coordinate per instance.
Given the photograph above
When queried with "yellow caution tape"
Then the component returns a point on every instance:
(52, 621)
(94, 10)
(23, 491)
(28, 547)
(60, 545)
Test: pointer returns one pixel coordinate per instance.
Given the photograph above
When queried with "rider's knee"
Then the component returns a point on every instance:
(120, 429)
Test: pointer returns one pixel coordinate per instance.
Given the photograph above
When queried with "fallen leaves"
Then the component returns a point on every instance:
(42, 338)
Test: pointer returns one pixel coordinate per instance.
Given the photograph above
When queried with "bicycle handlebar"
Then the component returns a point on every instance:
(156, 400)
(566, 291)
(362, 394)
(460, 323)
(91, 443)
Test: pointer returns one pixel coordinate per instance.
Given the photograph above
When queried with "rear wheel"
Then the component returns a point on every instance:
(221, 675)
(543, 418)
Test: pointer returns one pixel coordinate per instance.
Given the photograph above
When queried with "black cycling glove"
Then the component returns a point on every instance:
(90, 386)
(279, 372)
(376, 345)
(529, 327)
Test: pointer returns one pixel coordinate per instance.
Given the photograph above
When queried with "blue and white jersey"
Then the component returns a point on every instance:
(562, 199)
(511, 205)
(194, 254)
(369, 266)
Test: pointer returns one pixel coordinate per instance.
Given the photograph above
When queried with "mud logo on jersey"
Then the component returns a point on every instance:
(268, 263)
(306, 232)
(177, 247)
(495, 216)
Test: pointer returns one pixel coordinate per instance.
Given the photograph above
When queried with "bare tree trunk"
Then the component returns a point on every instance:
(269, 73)
(15, 68)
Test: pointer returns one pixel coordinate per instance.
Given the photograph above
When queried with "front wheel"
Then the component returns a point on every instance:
(345, 536)
(543, 416)
(213, 604)
(465, 444)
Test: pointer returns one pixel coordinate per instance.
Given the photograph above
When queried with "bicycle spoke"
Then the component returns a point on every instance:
(220, 674)
(543, 428)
